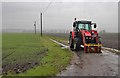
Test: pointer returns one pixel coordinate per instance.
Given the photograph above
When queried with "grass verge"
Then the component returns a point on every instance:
(26, 48)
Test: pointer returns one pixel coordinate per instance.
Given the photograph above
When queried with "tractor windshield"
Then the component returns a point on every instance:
(84, 26)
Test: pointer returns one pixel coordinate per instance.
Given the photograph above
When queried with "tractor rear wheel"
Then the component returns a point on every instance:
(77, 48)
(71, 44)
(78, 43)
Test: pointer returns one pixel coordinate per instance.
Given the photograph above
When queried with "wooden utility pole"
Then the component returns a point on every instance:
(35, 26)
(41, 23)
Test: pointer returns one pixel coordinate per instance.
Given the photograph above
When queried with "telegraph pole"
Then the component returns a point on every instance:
(35, 26)
(41, 23)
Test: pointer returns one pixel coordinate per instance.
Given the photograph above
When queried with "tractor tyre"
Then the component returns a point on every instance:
(71, 44)
(77, 48)
(85, 49)
(99, 50)
(78, 43)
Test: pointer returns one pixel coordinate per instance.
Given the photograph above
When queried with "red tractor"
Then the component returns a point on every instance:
(83, 36)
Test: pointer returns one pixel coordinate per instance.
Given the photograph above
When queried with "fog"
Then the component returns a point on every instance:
(59, 15)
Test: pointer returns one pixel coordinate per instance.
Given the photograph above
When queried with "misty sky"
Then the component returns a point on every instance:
(60, 15)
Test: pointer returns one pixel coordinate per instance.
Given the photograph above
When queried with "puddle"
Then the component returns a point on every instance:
(63, 45)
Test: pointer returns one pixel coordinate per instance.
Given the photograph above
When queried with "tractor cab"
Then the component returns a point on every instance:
(83, 25)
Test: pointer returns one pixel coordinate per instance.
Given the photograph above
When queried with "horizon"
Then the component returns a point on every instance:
(60, 15)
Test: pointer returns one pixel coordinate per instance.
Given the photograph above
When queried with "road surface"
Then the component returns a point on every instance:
(91, 64)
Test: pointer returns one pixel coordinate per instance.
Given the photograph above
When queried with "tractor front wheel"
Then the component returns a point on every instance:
(85, 49)
(99, 50)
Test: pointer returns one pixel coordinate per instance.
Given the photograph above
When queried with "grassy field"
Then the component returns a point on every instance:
(108, 39)
(30, 55)
(61, 37)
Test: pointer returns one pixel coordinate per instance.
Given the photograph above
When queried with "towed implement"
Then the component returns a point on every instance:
(83, 36)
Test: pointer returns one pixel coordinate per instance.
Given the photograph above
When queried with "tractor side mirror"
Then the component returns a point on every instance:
(95, 26)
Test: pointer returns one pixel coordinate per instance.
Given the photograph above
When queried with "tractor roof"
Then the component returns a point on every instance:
(84, 22)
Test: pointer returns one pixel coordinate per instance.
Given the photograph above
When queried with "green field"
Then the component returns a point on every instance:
(110, 40)
(30, 55)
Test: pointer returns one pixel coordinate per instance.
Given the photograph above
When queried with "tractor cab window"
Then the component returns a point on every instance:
(84, 27)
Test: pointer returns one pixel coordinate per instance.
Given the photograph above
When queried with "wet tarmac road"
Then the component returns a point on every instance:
(91, 64)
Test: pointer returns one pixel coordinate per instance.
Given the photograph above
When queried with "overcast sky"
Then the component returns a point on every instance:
(60, 15)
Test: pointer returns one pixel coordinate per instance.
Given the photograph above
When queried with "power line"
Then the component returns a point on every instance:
(48, 6)
(44, 12)
(41, 17)
(45, 9)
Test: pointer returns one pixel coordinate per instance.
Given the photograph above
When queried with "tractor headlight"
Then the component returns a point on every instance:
(87, 37)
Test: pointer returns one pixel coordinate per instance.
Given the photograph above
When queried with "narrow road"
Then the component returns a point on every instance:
(91, 64)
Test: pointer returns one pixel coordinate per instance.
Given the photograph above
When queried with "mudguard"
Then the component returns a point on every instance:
(73, 34)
